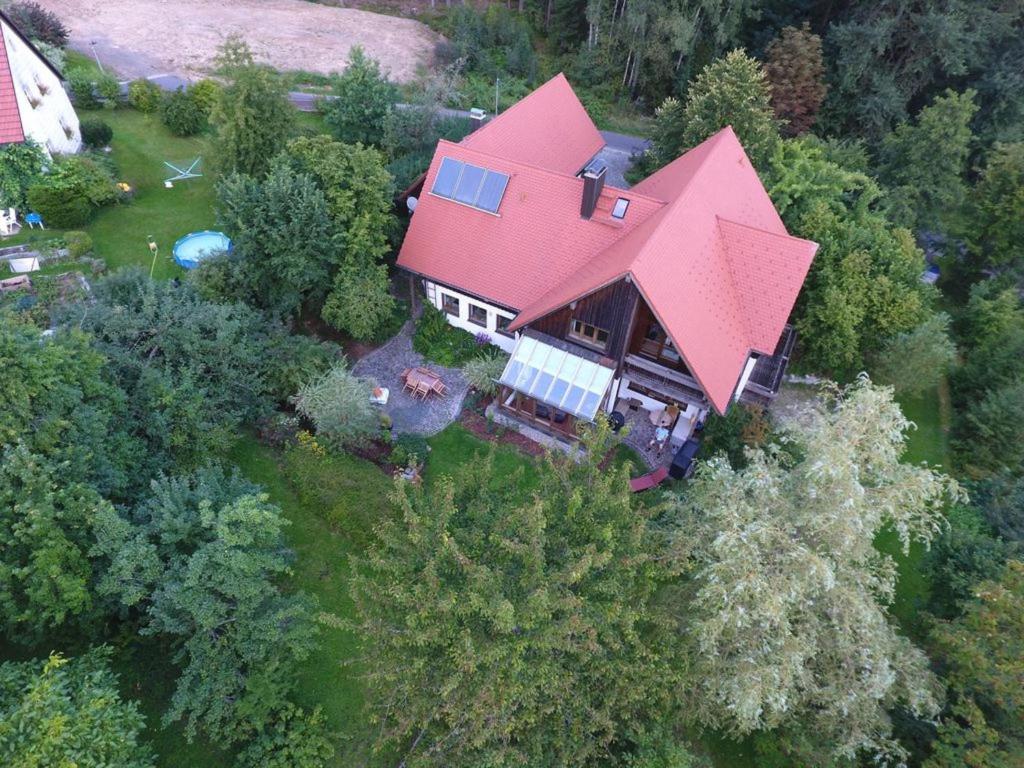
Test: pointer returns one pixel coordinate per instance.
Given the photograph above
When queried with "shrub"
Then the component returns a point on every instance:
(79, 243)
(96, 133)
(83, 89)
(742, 427)
(56, 56)
(145, 95)
(109, 90)
(409, 449)
(442, 343)
(206, 92)
(182, 114)
(61, 208)
(21, 167)
(483, 371)
(37, 23)
(338, 404)
(66, 197)
(294, 738)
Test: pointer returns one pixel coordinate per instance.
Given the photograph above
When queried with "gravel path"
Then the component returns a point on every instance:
(408, 414)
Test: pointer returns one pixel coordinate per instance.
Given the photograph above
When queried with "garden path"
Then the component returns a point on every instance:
(411, 415)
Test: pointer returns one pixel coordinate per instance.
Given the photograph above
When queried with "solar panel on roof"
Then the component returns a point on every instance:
(470, 184)
(492, 191)
(447, 177)
(468, 188)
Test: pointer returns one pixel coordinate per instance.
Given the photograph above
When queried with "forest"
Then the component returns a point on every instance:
(209, 555)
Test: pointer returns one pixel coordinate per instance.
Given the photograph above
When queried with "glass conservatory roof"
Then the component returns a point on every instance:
(557, 377)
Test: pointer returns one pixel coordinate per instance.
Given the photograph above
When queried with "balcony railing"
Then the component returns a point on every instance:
(766, 378)
(658, 378)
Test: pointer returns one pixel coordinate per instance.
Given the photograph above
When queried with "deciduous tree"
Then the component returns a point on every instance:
(509, 626)
(916, 361)
(996, 221)
(923, 163)
(202, 560)
(787, 623)
(68, 712)
(795, 68)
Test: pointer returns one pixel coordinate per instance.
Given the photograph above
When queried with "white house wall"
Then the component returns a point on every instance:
(46, 112)
(747, 370)
(434, 293)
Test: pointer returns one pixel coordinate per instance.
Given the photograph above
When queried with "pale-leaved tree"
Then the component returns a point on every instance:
(787, 623)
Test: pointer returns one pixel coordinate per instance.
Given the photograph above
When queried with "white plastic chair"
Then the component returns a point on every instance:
(8, 221)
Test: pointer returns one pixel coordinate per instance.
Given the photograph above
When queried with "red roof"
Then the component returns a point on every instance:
(549, 129)
(701, 241)
(11, 130)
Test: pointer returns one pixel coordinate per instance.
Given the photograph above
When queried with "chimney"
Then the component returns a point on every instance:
(476, 118)
(593, 185)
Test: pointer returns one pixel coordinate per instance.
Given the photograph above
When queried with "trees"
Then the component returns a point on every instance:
(732, 91)
(282, 237)
(996, 219)
(252, 119)
(983, 651)
(21, 167)
(68, 712)
(293, 739)
(46, 533)
(201, 559)
(510, 628)
(787, 622)
(338, 403)
(63, 406)
(863, 288)
(364, 98)
(795, 68)
(916, 361)
(358, 188)
(892, 53)
(924, 163)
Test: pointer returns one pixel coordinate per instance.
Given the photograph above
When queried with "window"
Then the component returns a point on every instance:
(619, 211)
(590, 334)
(470, 184)
(450, 304)
(658, 346)
(502, 324)
(477, 315)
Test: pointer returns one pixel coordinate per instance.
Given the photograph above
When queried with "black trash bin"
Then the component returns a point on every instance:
(682, 462)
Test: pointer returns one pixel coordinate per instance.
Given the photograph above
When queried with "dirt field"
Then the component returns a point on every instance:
(139, 38)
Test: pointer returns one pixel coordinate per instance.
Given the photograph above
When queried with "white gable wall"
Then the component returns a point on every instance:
(46, 112)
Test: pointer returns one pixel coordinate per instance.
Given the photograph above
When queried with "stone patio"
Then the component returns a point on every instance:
(411, 415)
(639, 433)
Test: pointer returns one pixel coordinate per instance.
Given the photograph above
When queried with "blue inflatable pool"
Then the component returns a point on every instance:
(196, 246)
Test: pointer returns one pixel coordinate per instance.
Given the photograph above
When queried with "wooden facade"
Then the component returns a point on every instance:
(611, 308)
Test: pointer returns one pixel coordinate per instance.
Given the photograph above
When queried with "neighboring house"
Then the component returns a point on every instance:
(33, 103)
(676, 291)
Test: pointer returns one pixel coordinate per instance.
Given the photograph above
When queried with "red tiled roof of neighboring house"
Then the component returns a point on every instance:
(701, 241)
(11, 130)
(549, 129)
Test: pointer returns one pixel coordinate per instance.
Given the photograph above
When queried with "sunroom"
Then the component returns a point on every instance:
(553, 384)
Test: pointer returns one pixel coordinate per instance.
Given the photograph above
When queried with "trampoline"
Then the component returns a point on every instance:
(190, 250)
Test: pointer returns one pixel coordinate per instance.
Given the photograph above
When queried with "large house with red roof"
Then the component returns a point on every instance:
(675, 292)
(33, 102)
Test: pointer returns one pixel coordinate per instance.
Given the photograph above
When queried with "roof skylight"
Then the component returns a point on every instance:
(470, 184)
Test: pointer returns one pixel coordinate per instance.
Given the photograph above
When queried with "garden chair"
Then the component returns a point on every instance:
(422, 389)
(34, 218)
(8, 221)
(408, 383)
(439, 388)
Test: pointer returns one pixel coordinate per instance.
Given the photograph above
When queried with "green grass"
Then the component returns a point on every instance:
(928, 442)
(141, 145)
(331, 678)
(456, 446)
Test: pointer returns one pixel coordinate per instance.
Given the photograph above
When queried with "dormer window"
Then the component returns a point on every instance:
(619, 211)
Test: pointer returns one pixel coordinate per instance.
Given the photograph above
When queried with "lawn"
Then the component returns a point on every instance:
(927, 442)
(141, 145)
